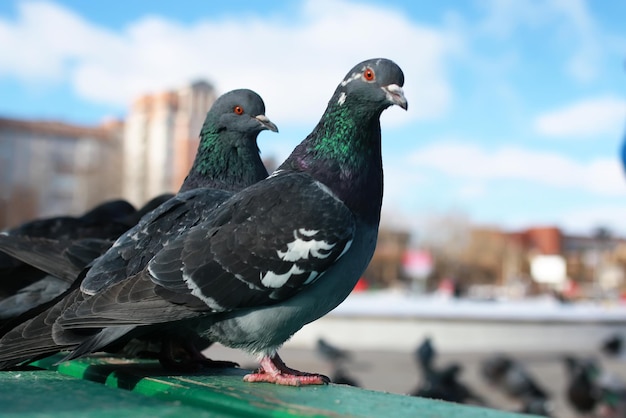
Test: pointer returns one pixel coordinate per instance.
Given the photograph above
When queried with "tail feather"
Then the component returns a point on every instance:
(35, 337)
(16, 347)
(99, 341)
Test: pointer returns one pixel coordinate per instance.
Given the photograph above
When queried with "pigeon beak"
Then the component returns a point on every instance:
(395, 95)
(267, 124)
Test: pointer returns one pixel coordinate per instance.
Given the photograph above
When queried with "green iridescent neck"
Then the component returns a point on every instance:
(225, 162)
(343, 137)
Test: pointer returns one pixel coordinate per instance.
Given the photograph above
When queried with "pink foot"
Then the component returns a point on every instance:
(274, 370)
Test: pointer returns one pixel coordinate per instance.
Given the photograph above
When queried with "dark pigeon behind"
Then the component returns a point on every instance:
(49, 277)
(105, 221)
(228, 157)
(227, 160)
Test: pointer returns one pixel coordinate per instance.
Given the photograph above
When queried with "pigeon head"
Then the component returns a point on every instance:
(343, 151)
(240, 111)
(228, 155)
(372, 85)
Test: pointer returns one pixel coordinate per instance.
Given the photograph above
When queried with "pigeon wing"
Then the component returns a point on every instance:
(263, 246)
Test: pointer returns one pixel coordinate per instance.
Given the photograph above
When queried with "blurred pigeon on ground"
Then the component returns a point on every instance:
(613, 345)
(340, 376)
(272, 258)
(337, 359)
(331, 353)
(515, 381)
(444, 384)
(582, 390)
(511, 376)
(441, 382)
(425, 354)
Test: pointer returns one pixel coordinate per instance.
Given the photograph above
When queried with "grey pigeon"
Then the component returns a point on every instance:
(227, 160)
(272, 258)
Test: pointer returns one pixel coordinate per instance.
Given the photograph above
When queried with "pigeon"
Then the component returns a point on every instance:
(227, 160)
(330, 353)
(515, 381)
(78, 251)
(441, 382)
(582, 392)
(340, 376)
(444, 384)
(613, 345)
(106, 220)
(102, 221)
(23, 286)
(273, 257)
(425, 354)
(337, 359)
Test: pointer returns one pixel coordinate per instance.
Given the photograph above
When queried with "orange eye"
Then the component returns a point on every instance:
(238, 110)
(368, 74)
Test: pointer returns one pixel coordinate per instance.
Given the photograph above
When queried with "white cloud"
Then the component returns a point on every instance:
(602, 176)
(585, 119)
(294, 62)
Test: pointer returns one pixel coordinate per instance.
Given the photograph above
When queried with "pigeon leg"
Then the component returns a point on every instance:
(274, 370)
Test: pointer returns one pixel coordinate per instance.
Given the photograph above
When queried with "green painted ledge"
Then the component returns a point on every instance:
(224, 393)
(43, 393)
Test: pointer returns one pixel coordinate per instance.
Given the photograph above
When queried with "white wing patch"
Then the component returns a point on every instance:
(302, 247)
(271, 279)
(299, 249)
(197, 292)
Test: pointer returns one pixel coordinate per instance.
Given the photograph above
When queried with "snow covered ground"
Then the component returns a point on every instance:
(398, 322)
(546, 308)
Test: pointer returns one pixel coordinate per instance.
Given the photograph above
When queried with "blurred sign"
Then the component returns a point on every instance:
(611, 276)
(417, 264)
(549, 269)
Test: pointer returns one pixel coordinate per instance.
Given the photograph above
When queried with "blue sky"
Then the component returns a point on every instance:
(517, 109)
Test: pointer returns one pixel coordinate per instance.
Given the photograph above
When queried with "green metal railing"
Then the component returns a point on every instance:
(76, 388)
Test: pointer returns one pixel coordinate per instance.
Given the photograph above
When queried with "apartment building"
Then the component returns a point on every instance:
(52, 168)
(161, 139)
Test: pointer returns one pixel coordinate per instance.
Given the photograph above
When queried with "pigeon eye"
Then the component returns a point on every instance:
(238, 110)
(368, 74)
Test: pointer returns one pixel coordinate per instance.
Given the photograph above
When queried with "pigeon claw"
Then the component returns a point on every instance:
(274, 370)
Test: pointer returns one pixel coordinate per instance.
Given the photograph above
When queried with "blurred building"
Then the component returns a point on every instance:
(53, 168)
(386, 267)
(542, 257)
(49, 168)
(161, 139)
